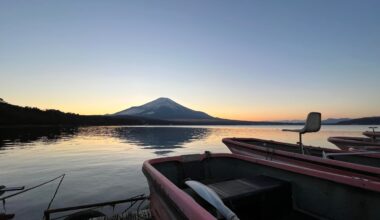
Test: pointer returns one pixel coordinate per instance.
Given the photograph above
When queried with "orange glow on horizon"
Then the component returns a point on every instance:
(224, 110)
(232, 115)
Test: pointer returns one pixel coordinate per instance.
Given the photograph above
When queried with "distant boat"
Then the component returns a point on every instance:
(375, 135)
(231, 186)
(355, 143)
(359, 143)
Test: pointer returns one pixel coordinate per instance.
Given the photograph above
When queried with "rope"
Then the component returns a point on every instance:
(141, 197)
(64, 216)
(138, 209)
(56, 190)
(26, 190)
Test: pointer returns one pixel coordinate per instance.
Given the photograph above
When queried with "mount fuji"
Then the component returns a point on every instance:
(164, 109)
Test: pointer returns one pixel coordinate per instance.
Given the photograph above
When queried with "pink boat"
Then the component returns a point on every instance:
(313, 157)
(231, 186)
(355, 143)
(356, 162)
(372, 143)
(372, 134)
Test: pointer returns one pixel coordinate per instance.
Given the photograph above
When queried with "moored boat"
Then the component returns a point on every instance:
(372, 143)
(374, 135)
(355, 143)
(230, 186)
(312, 157)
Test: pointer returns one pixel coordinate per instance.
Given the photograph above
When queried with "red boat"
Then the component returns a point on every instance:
(372, 143)
(357, 162)
(313, 157)
(355, 143)
(372, 134)
(231, 186)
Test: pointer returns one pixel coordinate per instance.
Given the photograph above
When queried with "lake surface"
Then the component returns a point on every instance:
(104, 163)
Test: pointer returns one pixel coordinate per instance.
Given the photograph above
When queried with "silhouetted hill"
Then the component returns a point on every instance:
(329, 121)
(362, 121)
(17, 115)
(332, 121)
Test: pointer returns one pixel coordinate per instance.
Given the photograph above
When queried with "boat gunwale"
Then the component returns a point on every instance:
(306, 158)
(353, 181)
(297, 146)
(190, 207)
(354, 140)
(327, 150)
(371, 134)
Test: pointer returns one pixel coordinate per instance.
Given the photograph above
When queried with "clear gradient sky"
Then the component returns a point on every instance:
(251, 60)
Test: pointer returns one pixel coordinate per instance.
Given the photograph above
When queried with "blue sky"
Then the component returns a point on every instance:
(254, 60)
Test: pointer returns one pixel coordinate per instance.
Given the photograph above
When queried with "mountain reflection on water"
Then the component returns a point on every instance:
(161, 139)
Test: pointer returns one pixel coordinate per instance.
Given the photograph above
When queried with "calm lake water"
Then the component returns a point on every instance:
(104, 163)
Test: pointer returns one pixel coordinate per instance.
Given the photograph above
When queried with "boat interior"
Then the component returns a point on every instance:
(253, 190)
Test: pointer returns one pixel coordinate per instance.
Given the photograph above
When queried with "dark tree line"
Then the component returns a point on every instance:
(16, 115)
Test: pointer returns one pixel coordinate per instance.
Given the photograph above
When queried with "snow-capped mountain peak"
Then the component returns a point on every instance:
(160, 102)
(164, 108)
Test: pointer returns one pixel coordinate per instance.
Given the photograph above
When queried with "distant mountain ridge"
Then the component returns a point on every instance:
(162, 111)
(329, 121)
(165, 109)
(362, 121)
(334, 120)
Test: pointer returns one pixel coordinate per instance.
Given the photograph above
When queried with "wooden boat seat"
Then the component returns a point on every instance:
(239, 188)
(259, 195)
